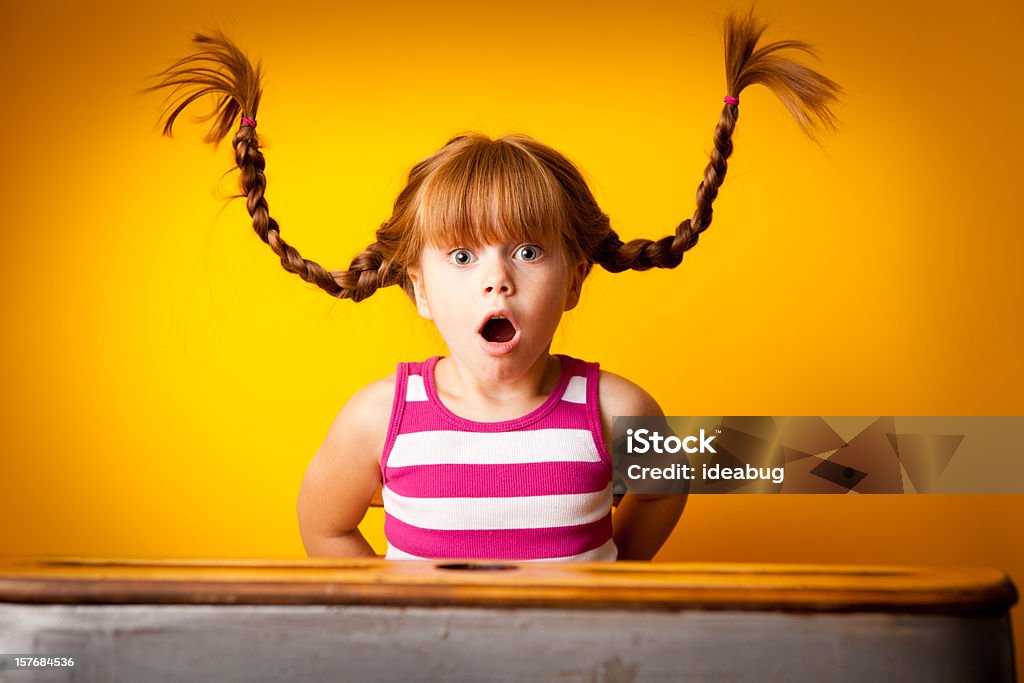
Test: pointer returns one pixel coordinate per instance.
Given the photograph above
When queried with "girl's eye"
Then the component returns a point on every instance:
(461, 257)
(529, 252)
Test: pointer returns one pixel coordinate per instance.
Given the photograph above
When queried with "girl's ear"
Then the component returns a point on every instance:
(576, 286)
(419, 294)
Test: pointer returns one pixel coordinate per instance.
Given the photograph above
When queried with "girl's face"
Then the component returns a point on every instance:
(496, 306)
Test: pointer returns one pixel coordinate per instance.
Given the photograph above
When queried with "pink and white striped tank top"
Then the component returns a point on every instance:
(534, 488)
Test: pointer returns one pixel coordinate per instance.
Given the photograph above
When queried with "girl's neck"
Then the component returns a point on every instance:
(474, 399)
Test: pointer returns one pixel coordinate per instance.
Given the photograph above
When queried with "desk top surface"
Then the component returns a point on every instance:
(626, 585)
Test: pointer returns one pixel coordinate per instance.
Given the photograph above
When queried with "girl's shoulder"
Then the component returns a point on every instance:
(371, 405)
(363, 420)
(618, 396)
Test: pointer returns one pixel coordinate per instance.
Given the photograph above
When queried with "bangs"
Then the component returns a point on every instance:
(492, 193)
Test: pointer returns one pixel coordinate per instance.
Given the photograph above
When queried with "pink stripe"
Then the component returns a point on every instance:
(498, 544)
(420, 416)
(498, 481)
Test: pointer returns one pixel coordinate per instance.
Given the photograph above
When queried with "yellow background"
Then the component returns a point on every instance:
(167, 381)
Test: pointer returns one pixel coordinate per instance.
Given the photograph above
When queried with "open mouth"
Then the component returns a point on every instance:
(498, 329)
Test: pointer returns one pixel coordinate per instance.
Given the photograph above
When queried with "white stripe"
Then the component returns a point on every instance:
(414, 388)
(603, 553)
(607, 552)
(438, 447)
(576, 391)
(394, 553)
(513, 512)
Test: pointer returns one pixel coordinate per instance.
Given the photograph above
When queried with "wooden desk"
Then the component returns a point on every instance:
(370, 620)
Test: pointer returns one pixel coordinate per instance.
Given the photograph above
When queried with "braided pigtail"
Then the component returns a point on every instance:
(220, 69)
(806, 94)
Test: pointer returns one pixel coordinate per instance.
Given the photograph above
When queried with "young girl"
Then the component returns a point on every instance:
(498, 450)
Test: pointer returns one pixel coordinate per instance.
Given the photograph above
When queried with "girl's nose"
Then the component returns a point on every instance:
(498, 280)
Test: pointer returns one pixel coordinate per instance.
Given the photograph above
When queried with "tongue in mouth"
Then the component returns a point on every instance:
(498, 330)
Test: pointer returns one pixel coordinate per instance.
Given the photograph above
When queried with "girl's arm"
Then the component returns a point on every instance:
(343, 475)
(642, 522)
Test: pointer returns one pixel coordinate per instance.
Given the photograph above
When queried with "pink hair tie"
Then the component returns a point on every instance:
(249, 122)
(729, 99)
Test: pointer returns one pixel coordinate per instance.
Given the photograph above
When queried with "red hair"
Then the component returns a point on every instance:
(475, 190)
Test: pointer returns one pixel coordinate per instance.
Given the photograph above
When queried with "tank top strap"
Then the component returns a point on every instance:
(409, 387)
(583, 389)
